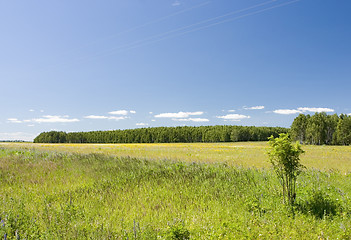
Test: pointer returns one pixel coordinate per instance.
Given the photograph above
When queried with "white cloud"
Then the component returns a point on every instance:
(14, 120)
(153, 120)
(96, 117)
(231, 110)
(141, 124)
(55, 119)
(314, 110)
(31, 125)
(119, 112)
(117, 118)
(286, 111)
(191, 119)
(31, 110)
(150, 112)
(234, 117)
(349, 114)
(302, 110)
(254, 108)
(17, 136)
(41, 110)
(132, 111)
(106, 117)
(178, 115)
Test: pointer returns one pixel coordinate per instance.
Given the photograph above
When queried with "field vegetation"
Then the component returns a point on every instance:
(101, 192)
(242, 154)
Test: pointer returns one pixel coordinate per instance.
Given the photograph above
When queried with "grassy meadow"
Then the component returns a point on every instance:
(243, 154)
(169, 191)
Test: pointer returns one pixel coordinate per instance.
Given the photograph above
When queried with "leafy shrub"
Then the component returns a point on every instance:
(177, 231)
(320, 205)
(285, 159)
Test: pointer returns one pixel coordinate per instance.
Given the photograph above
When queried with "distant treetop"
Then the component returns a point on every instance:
(184, 134)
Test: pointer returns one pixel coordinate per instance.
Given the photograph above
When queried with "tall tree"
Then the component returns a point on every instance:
(298, 128)
(331, 124)
(316, 129)
(344, 130)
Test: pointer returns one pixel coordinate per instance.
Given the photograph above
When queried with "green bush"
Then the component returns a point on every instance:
(177, 231)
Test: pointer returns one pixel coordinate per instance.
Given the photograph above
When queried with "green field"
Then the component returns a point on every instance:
(245, 154)
(161, 191)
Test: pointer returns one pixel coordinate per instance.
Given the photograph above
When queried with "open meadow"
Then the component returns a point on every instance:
(169, 191)
(245, 154)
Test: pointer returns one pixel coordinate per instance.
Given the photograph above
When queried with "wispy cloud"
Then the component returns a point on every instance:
(142, 124)
(31, 110)
(106, 117)
(45, 119)
(234, 117)
(14, 120)
(302, 110)
(191, 119)
(176, 3)
(232, 110)
(96, 117)
(314, 109)
(54, 119)
(119, 112)
(123, 115)
(286, 111)
(178, 114)
(254, 108)
(117, 118)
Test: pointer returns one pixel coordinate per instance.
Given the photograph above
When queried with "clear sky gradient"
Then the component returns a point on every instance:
(97, 65)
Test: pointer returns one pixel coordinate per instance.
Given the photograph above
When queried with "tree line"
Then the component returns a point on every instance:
(184, 134)
(321, 128)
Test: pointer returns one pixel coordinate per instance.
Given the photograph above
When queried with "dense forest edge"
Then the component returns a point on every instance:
(322, 129)
(317, 129)
(184, 134)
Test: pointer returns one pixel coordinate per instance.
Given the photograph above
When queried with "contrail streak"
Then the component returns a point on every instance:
(188, 26)
(169, 35)
(210, 25)
(138, 27)
(127, 31)
(179, 31)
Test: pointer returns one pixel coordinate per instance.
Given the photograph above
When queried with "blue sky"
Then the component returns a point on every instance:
(100, 65)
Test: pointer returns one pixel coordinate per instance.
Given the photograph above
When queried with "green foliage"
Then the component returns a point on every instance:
(316, 129)
(177, 231)
(164, 135)
(285, 159)
(322, 129)
(52, 137)
(320, 205)
(344, 130)
(298, 128)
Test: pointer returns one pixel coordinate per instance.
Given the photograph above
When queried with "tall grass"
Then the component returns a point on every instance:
(246, 154)
(52, 195)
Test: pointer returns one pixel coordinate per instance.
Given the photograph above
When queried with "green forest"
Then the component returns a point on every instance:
(165, 135)
(317, 129)
(322, 129)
